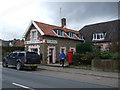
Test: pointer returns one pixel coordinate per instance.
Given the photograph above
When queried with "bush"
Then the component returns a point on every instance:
(7, 50)
(85, 59)
(82, 59)
(114, 47)
(116, 56)
(76, 59)
(84, 47)
(105, 55)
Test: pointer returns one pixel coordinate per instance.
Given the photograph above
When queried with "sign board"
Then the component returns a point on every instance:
(51, 41)
(41, 38)
(33, 42)
(44, 41)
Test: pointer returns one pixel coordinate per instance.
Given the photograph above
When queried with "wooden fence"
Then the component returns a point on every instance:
(106, 65)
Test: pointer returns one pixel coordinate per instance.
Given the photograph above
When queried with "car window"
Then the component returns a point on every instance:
(21, 55)
(13, 55)
(32, 54)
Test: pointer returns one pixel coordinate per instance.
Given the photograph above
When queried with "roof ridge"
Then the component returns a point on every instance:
(56, 26)
(102, 22)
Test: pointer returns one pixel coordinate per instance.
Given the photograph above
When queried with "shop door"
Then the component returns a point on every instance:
(51, 55)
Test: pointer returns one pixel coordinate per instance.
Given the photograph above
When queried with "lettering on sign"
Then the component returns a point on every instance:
(52, 41)
(38, 41)
(33, 42)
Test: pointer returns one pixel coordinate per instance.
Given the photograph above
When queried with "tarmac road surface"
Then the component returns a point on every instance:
(12, 78)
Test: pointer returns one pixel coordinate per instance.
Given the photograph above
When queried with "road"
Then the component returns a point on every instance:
(12, 78)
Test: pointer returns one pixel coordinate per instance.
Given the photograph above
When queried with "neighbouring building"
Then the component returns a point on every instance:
(8, 43)
(102, 34)
(49, 40)
(20, 44)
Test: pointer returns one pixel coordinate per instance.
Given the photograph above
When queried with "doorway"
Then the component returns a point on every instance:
(51, 55)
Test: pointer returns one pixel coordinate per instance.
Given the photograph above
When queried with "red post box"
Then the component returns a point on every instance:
(70, 55)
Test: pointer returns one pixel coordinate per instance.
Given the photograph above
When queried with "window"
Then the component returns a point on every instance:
(59, 32)
(71, 34)
(34, 34)
(63, 49)
(13, 55)
(99, 36)
(34, 50)
(72, 49)
(80, 36)
(21, 55)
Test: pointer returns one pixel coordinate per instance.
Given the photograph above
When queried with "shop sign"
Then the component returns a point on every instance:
(51, 41)
(44, 41)
(33, 42)
(41, 38)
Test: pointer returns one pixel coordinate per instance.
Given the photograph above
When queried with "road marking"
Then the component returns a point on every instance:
(22, 86)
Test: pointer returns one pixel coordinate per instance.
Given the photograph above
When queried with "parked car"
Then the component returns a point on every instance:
(21, 59)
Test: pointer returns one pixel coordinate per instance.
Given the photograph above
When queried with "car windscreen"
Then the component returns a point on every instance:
(32, 55)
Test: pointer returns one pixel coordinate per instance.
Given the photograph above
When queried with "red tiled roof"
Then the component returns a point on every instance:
(66, 35)
(76, 37)
(20, 44)
(48, 29)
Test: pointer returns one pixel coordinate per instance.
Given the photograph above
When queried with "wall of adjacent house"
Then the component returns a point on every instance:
(103, 45)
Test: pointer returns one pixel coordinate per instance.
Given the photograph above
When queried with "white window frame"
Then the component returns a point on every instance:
(34, 34)
(71, 34)
(61, 33)
(31, 34)
(100, 34)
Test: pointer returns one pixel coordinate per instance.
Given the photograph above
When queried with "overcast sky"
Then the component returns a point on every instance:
(15, 15)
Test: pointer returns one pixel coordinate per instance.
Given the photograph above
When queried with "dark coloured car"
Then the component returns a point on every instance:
(21, 59)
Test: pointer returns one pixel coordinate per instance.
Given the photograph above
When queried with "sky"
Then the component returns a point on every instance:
(15, 15)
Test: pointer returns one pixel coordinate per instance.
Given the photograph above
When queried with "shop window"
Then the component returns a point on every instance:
(63, 49)
(34, 50)
(72, 49)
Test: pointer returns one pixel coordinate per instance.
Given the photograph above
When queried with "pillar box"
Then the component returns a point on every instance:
(70, 56)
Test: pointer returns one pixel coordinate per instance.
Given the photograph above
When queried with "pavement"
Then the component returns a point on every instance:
(58, 68)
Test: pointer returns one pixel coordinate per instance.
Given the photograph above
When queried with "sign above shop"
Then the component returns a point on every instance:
(44, 41)
(41, 39)
(33, 42)
(51, 41)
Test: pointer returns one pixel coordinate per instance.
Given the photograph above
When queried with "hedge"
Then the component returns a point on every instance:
(7, 50)
(84, 47)
(82, 59)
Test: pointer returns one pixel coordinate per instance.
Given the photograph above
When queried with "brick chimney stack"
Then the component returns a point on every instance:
(63, 22)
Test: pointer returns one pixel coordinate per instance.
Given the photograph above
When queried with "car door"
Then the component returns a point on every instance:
(14, 58)
(8, 58)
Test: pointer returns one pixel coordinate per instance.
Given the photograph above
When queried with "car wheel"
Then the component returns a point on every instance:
(18, 66)
(5, 64)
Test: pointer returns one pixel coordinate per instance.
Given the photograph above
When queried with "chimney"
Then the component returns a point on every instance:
(63, 22)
